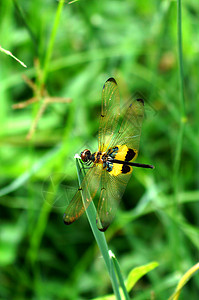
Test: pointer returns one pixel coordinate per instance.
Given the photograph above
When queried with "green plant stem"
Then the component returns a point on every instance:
(177, 158)
(52, 41)
(119, 274)
(99, 236)
(182, 100)
(26, 24)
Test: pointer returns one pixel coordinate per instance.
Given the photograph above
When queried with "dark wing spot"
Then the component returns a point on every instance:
(125, 169)
(130, 155)
(140, 100)
(112, 79)
(103, 229)
(67, 222)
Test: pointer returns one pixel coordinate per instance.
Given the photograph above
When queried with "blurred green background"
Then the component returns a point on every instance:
(136, 43)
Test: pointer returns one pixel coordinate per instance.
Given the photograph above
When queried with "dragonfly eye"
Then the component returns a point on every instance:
(85, 155)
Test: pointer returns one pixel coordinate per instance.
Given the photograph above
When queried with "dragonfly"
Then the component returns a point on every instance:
(110, 168)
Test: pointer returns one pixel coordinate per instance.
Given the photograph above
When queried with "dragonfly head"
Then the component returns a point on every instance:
(85, 155)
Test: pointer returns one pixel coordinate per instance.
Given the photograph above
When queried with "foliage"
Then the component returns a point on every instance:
(70, 50)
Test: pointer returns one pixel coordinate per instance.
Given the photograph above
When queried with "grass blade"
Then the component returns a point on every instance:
(99, 236)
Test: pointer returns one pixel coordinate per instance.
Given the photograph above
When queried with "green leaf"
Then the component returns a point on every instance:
(139, 272)
(185, 278)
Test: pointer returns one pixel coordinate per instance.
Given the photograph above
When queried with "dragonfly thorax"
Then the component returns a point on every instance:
(96, 157)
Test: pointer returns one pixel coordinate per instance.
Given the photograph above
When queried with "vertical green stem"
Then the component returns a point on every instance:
(27, 25)
(119, 274)
(177, 158)
(182, 101)
(181, 71)
(52, 40)
(99, 236)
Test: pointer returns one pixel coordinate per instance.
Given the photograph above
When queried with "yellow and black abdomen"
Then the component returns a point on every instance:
(122, 153)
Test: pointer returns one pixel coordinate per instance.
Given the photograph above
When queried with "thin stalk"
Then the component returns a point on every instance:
(119, 275)
(99, 236)
(24, 20)
(177, 158)
(52, 41)
(182, 101)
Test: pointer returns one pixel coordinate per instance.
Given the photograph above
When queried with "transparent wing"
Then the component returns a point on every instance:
(131, 124)
(110, 111)
(113, 187)
(87, 191)
(112, 190)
